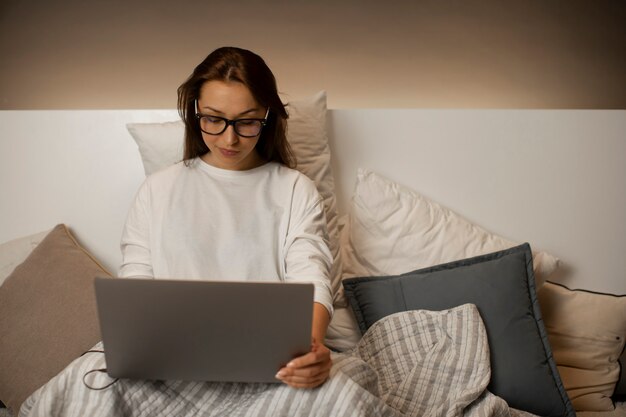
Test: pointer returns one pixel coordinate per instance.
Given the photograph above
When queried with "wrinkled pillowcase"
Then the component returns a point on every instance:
(392, 229)
(587, 332)
(502, 286)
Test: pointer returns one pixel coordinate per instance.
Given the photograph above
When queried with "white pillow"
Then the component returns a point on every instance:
(14, 252)
(343, 331)
(161, 145)
(392, 230)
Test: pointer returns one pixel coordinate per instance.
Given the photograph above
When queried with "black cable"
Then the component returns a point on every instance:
(104, 370)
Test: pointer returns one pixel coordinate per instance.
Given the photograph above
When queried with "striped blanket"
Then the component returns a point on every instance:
(417, 363)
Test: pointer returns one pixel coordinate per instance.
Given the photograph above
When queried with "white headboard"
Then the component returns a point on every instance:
(553, 178)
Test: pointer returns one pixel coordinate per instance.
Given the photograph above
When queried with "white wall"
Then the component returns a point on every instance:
(91, 54)
(551, 178)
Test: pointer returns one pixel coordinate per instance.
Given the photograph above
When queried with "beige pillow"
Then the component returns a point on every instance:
(587, 332)
(47, 315)
(306, 132)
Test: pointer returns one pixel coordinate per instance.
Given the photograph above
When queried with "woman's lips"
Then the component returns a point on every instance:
(227, 152)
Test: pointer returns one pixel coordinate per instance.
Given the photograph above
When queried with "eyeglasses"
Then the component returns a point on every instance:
(215, 125)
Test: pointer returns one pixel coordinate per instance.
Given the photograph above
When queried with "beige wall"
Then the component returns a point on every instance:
(446, 54)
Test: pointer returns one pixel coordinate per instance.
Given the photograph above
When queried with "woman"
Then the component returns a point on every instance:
(234, 208)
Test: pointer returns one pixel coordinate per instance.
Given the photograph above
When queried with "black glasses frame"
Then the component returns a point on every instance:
(233, 123)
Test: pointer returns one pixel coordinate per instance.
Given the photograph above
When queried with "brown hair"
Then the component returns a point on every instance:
(240, 65)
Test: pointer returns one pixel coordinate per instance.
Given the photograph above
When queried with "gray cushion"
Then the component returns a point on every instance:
(502, 286)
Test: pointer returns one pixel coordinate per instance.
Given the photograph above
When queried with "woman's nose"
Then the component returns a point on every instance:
(230, 136)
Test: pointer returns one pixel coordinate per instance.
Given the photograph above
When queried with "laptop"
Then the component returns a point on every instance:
(202, 330)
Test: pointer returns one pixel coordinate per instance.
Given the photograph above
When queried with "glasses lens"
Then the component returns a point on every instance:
(212, 125)
(248, 127)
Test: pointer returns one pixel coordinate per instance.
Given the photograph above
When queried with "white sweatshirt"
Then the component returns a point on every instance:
(203, 222)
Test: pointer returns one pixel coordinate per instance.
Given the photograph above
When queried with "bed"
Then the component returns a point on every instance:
(500, 234)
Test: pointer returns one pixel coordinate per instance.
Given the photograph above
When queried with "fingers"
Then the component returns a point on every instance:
(305, 378)
(309, 370)
(301, 375)
(296, 382)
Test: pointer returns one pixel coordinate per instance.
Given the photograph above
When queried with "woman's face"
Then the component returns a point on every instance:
(230, 100)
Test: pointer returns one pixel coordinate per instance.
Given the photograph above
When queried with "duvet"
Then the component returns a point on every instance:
(415, 363)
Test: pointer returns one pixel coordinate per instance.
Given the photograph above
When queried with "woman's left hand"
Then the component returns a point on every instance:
(309, 370)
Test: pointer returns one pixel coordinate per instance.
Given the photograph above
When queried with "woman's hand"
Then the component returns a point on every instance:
(309, 370)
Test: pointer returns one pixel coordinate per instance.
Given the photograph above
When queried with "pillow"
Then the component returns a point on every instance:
(47, 315)
(306, 133)
(587, 331)
(620, 389)
(343, 332)
(502, 286)
(13, 252)
(392, 229)
(161, 145)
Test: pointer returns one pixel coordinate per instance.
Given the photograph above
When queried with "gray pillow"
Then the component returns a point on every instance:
(502, 286)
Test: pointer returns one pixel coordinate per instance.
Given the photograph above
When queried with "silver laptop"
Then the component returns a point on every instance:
(202, 330)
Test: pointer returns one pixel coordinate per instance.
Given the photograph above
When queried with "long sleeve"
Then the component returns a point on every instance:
(307, 256)
(135, 243)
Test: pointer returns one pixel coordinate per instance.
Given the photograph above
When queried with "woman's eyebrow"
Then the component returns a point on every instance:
(252, 110)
